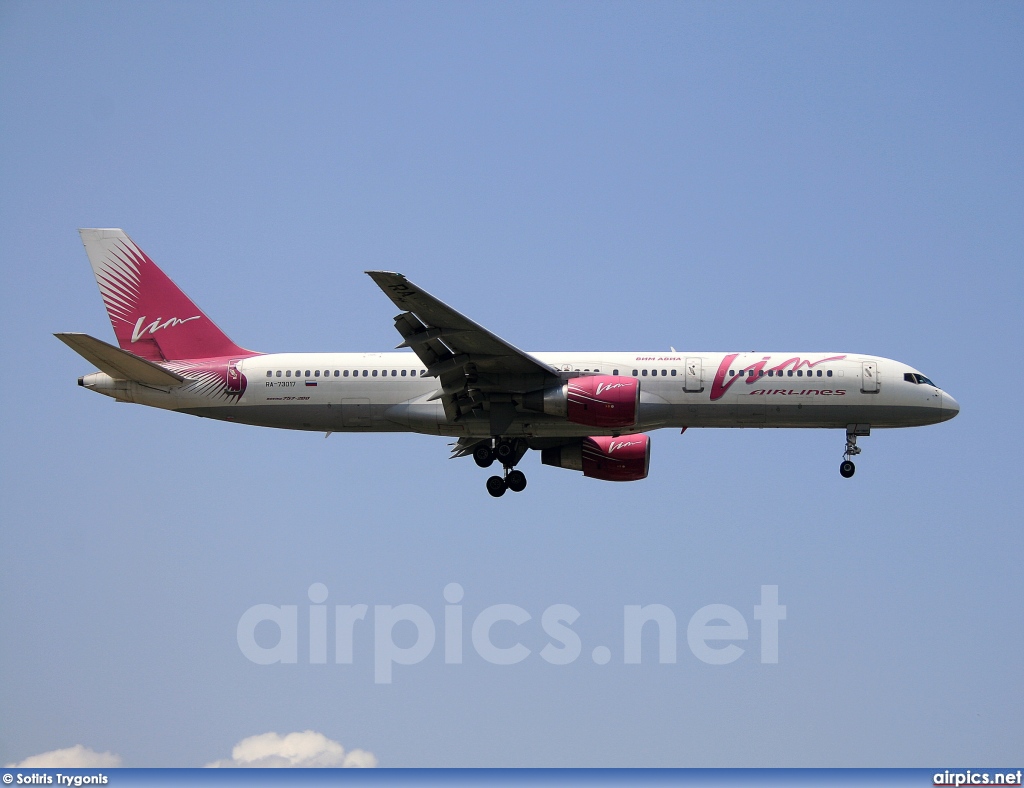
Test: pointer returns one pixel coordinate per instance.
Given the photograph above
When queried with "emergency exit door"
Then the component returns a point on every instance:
(692, 373)
(869, 377)
(234, 382)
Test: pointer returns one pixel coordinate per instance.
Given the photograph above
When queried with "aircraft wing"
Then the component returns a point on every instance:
(478, 370)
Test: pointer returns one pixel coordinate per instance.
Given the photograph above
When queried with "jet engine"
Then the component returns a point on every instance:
(593, 400)
(623, 459)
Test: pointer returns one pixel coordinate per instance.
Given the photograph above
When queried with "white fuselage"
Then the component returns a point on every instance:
(376, 392)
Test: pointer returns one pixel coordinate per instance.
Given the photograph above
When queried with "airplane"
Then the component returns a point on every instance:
(589, 412)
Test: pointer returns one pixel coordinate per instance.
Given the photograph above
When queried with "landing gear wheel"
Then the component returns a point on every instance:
(504, 451)
(496, 486)
(847, 469)
(483, 456)
(516, 481)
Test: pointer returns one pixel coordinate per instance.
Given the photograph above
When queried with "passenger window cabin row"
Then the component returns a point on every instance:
(344, 373)
(778, 373)
(760, 373)
(412, 373)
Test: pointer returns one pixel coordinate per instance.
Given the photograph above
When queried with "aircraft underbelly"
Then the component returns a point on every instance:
(316, 418)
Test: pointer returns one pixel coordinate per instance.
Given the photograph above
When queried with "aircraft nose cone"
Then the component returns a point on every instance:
(950, 407)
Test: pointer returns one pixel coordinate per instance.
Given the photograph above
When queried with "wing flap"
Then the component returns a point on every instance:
(119, 363)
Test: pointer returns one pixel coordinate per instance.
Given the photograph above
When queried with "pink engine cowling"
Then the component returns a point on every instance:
(603, 401)
(623, 459)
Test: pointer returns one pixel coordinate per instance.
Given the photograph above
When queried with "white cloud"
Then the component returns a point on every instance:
(77, 757)
(307, 749)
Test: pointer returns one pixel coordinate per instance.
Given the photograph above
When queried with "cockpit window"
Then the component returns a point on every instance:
(915, 377)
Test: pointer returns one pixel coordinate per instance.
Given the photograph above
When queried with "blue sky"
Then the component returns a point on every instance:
(807, 176)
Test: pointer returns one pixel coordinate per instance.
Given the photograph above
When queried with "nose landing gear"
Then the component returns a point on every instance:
(846, 467)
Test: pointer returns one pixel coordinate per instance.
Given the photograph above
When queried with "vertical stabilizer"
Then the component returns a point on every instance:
(151, 316)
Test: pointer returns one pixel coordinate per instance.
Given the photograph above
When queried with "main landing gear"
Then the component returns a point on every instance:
(514, 481)
(846, 467)
(508, 453)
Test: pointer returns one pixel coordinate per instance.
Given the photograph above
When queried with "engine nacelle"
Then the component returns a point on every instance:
(623, 459)
(608, 401)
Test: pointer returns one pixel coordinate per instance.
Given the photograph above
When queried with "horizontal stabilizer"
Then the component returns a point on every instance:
(119, 363)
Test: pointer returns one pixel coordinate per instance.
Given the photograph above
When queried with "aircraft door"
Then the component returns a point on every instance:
(692, 373)
(869, 377)
(234, 382)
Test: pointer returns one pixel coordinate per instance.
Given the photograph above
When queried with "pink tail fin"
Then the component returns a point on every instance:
(151, 317)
